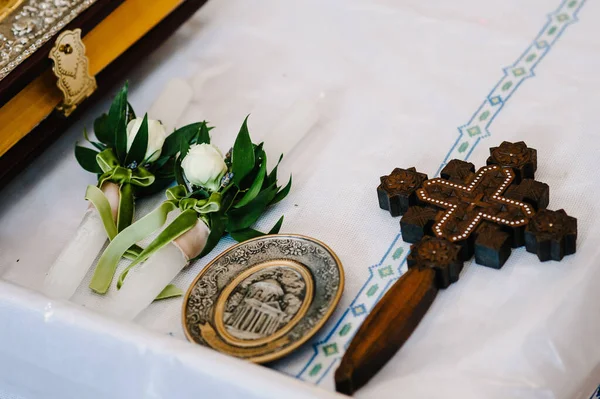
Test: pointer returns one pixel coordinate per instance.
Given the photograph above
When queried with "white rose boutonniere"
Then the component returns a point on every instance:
(204, 166)
(156, 137)
(132, 158)
(214, 197)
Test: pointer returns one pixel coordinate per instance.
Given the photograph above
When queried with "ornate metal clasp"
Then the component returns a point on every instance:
(71, 69)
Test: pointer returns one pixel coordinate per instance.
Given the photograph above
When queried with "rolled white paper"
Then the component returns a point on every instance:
(146, 281)
(287, 132)
(171, 103)
(76, 258)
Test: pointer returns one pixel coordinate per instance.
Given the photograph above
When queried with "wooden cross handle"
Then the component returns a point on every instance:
(386, 328)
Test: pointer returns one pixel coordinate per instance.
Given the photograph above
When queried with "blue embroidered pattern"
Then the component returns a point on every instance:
(328, 351)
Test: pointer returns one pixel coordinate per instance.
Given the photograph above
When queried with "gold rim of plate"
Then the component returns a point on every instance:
(279, 336)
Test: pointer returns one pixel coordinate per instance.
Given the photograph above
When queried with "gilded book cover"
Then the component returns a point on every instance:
(46, 47)
(26, 25)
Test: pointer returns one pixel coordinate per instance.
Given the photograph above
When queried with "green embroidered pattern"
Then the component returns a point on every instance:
(330, 349)
(372, 290)
(470, 135)
(345, 329)
(315, 369)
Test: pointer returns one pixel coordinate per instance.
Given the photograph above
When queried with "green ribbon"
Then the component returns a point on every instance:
(183, 223)
(191, 208)
(97, 197)
(125, 178)
(100, 202)
(179, 194)
(170, 291)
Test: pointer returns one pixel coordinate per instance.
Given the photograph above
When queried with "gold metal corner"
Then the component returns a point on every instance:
(71, 67)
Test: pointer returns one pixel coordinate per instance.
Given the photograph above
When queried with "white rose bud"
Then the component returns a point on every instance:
(156, 137)
(204, 166)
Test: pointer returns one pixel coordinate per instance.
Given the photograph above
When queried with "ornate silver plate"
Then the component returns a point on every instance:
(261, 299)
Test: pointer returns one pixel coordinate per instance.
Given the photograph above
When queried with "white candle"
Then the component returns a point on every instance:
(144, 282)
(76, 258)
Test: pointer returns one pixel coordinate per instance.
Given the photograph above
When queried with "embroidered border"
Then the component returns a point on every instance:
(329, 350)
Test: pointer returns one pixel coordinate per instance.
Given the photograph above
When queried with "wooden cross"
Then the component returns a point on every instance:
(450, 219)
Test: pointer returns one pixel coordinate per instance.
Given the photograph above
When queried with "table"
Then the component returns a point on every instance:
(350, 90)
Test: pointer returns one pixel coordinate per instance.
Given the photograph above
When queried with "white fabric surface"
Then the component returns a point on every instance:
(351, 89)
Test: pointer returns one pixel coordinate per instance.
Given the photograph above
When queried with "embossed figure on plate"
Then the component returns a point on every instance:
(264, 302)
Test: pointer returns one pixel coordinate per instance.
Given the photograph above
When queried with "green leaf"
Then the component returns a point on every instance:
(85, 135)
(117, 121)
(277, 226)
(99, 146)
(173, 142)
(130, 112)
(163, 167)
(217, 228)
(170, 291)
(87, 159)
(242, 155)
(257, 184)
(283, 193)
(246, 234)
(185, 148)
(272, 178)
(228, 196)
(203, 134)
(140, 144)
(178, 171)
(246, 216)
(103, 132)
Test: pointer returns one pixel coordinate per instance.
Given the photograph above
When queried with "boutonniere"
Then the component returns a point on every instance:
(215, 195)
(132, 157)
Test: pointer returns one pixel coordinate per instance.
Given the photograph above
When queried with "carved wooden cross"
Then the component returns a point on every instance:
(450, 219)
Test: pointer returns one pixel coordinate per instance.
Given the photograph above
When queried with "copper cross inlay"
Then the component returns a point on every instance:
(468, 205)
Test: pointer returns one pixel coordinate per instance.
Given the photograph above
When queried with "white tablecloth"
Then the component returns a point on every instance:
(349, 89)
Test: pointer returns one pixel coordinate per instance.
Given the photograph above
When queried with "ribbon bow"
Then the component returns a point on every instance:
(177, 198)
(126, 178)
(114, 172)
